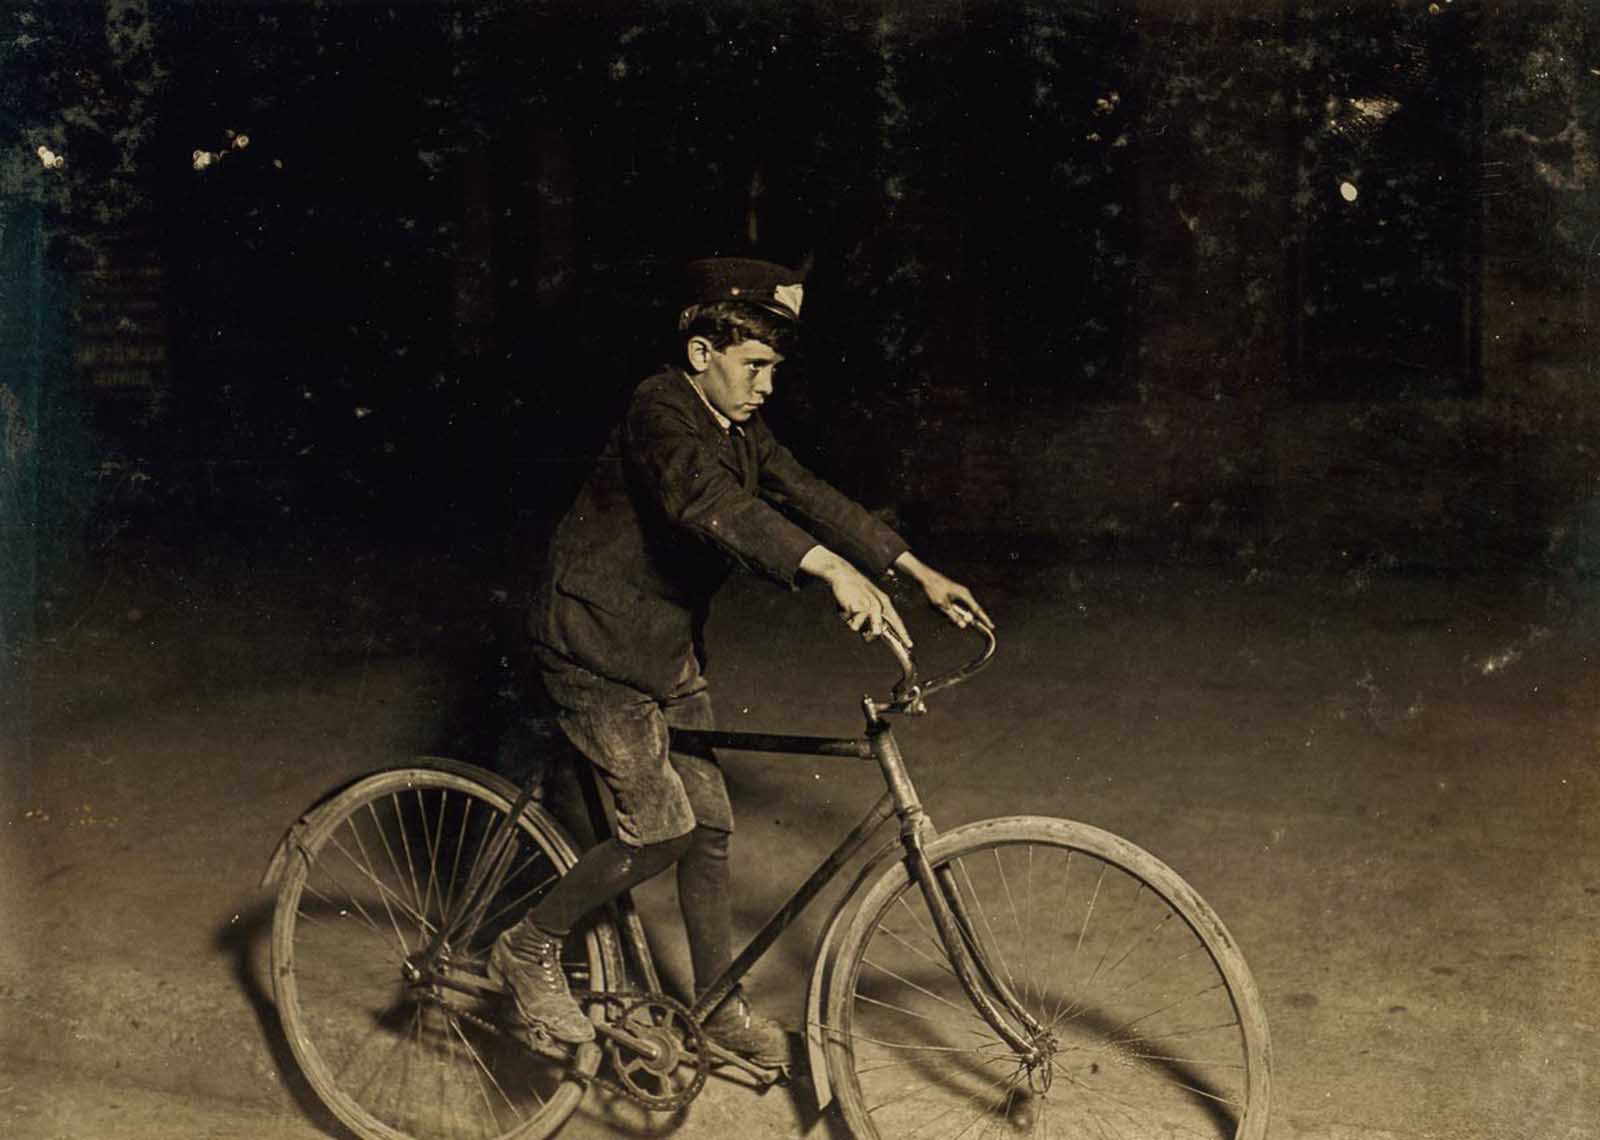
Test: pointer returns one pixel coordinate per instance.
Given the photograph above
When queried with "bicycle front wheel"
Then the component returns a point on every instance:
(400, 1042)
(1146, 1022)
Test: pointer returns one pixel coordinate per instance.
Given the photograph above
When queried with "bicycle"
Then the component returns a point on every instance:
(1109, 1001)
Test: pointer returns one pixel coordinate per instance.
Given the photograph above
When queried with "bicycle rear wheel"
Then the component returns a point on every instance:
(1149, 1024)
(399, 1046)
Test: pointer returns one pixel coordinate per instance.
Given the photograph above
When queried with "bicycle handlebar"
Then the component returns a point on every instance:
(909, 696)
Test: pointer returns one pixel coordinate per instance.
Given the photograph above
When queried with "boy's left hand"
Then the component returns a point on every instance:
(947, 596)
(955, 601)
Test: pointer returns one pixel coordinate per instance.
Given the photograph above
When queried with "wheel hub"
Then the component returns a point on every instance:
(1041, 1069)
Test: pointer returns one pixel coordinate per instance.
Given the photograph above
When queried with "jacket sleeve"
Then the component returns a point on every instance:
(678, 468)
(839, 522)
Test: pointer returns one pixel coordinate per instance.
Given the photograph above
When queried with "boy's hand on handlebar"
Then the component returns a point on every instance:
(864, 608)
(867, 609)
(947, 596)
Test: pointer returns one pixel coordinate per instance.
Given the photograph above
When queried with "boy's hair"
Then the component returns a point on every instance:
(727, 323)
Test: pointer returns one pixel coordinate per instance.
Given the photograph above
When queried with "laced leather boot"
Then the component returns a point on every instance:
(527, 961)
(739, 1029)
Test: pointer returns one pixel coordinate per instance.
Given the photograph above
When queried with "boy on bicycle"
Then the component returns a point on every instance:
(691, 485)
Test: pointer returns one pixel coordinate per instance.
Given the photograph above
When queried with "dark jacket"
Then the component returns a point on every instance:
(674, 503)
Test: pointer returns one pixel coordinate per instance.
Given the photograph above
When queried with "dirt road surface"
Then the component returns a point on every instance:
(1389, 789)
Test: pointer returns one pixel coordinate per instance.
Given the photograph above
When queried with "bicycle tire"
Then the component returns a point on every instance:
(377, 870)
(1150, 1037)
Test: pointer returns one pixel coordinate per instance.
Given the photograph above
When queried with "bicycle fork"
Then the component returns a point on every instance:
(985, 988)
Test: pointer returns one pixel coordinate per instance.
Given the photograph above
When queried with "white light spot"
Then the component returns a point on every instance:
(1348, 191)
(362, 413)
(49, 159)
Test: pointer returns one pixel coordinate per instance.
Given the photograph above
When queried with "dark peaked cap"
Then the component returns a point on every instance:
(765, 284)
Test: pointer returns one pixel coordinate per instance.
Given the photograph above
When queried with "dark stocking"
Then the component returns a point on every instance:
(703, 896)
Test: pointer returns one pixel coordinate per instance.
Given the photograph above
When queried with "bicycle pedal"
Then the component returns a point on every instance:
(536, 1039)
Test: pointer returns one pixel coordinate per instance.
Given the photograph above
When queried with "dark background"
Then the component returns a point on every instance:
(1239, 355)
(1277, 287)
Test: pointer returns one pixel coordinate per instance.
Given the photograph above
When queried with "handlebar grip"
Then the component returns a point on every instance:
(908, 667)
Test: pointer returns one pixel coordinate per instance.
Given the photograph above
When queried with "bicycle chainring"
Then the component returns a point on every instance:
(674, 1073)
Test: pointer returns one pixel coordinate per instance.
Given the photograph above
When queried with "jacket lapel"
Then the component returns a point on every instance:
(731, 447)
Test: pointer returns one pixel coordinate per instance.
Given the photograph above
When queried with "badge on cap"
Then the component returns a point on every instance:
(790, 296)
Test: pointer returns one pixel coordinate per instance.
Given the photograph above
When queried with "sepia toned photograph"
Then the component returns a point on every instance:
(799, 569)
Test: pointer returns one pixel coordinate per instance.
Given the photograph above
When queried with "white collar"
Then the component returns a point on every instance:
(722, 421)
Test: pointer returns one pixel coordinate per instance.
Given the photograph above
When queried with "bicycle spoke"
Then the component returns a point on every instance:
(521, 902)
(411, 860)
(942, 962)
(478, 899)
(908, 1045)
(1131, 1111)
(385, 892)
(1195, 1031)
(983, 914)
(1005, 883)
(1010, 1099)
(956, 1107)
(394, 1047)
(920, 1090)
(383, 837)
(1027, 935)
(484, 1075)
(1113, 941)
(967, 1010)
(900, 1009)
(377, 931)
(981, 1113)
(1156, 971)
(430, 885)
(1067, 1011)
(1168, 1059)
(927, 932)
(1066, 913)
(934, 1062)
(448, 914)
(1171, 1006)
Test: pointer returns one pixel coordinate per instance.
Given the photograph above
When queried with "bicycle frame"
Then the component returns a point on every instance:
(989, 993)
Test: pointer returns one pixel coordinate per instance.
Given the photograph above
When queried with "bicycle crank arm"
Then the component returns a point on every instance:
(622, 1037)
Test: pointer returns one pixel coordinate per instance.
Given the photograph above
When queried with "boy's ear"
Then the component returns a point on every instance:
(698, 350)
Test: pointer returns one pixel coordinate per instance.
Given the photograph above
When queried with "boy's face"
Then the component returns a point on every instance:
(737, 380)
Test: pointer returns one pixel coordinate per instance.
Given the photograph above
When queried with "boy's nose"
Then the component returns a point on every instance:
(764, 383)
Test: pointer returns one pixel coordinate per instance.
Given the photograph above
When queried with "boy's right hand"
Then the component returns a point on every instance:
(864, 608)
